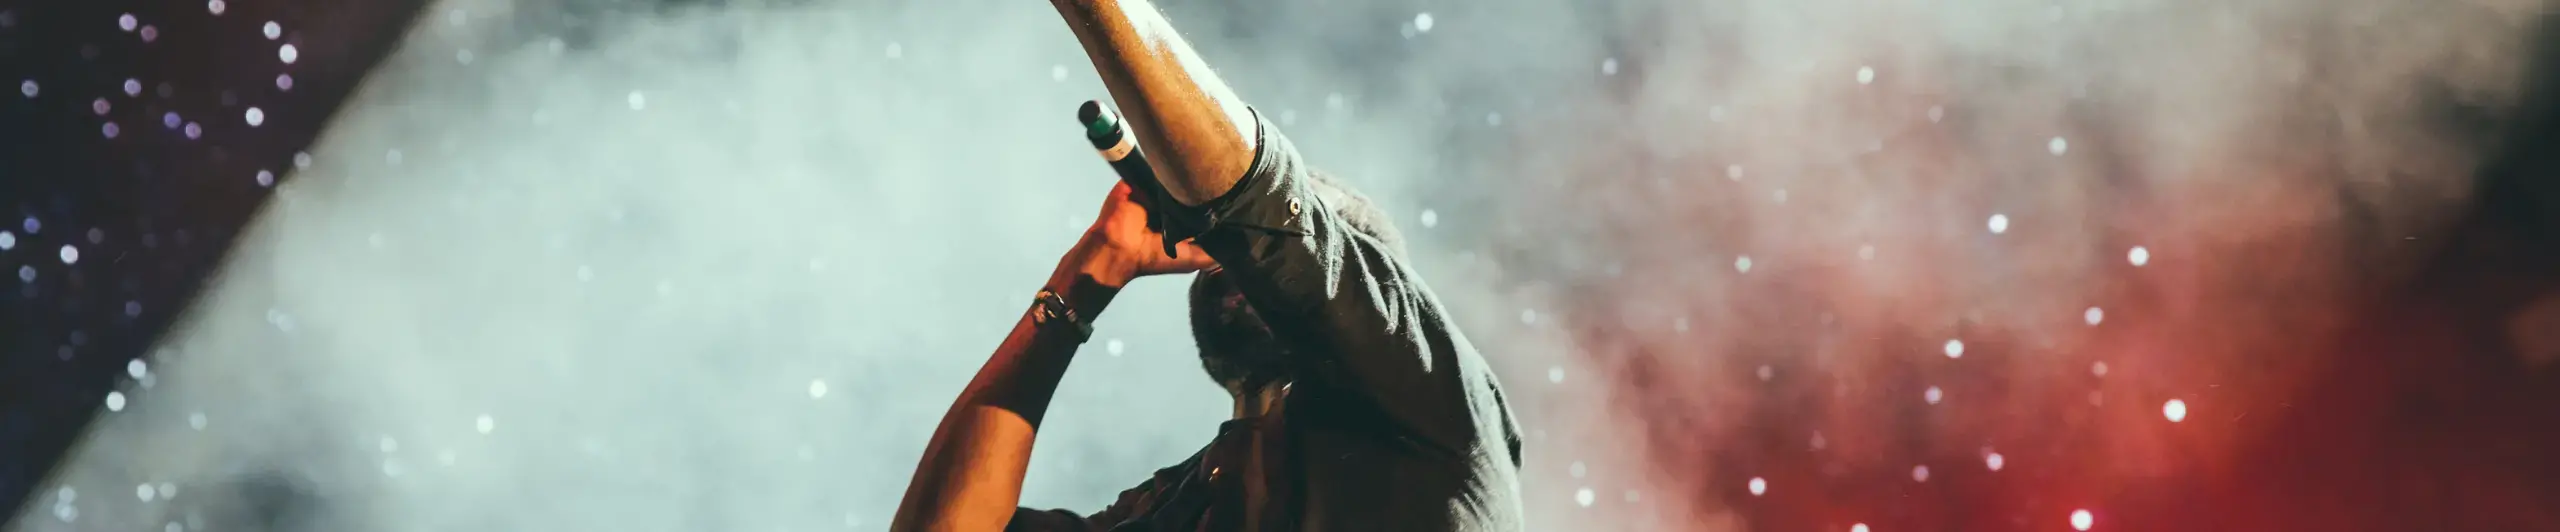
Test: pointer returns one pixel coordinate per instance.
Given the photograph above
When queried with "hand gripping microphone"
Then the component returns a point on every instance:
(1118, 147)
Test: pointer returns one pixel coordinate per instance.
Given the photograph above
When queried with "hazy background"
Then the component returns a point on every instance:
(721, 265)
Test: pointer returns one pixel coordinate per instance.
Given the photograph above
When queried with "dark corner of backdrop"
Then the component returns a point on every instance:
(127, 134)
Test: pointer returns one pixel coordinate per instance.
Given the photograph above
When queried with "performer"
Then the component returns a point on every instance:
(1358, 405)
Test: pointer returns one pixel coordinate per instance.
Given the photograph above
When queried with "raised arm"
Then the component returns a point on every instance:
(970, 477)
(1371, 336)
(1376, 331)
(1198, 135)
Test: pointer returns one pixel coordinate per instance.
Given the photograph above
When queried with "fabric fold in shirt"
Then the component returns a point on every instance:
(1191, 495)
(1395, 419)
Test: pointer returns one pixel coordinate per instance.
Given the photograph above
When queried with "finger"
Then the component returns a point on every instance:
(1121, 194)
(1188, 255)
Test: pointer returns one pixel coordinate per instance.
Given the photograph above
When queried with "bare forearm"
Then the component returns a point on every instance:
(970, 477)
(972, 469)
(1198, 135)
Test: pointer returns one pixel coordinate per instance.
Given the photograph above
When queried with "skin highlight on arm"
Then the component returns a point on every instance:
(1198, 134)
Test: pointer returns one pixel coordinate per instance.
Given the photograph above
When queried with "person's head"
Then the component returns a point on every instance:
(1236, 347)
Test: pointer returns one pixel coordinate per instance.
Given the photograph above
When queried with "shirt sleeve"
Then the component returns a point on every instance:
(1131, 503)
(1365, 323)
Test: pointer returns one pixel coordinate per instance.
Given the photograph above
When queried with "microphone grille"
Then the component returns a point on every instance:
(1099, 121)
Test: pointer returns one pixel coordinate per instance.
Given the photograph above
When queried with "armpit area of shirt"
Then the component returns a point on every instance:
(1266, 197)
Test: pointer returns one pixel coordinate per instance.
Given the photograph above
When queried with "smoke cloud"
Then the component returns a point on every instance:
(1980, 265)
(569, 265)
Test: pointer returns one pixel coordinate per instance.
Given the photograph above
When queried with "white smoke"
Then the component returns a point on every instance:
(723, 266)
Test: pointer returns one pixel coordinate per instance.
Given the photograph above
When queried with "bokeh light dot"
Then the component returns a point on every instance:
(2138, 256)
(215, 6)
(150, 33)
(2098, 369)
(29, 88)
(1954, 349)
(1555, 374)
(194, 130)
(2175, 410)
(817, 389)
(1994, 461)
(1742, 264)
(288, 53)
(266, 178)
(1933, 395)
(70, 254)
(115, 401)
(2082, 520)
(1584, 497)
(272, 30)
(1860, 527)
(8, 240)
(1999, 223)
(284, 82)
(1115, 347)
(1422, 22)
(1920, 473)
(132, 87)
(1759, 486)
(255, 117)
(1866, 75)
(136, 368)
(1430, 218)
(126, 22)
(2093, 316)
(486, 424)
(2057, 145)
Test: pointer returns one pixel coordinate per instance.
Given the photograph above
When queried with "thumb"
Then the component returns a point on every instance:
(1188, 256)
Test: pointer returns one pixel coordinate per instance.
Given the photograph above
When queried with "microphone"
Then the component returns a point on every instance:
(1119, 148)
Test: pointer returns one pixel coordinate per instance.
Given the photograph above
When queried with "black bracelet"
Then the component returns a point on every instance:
(1049, 309)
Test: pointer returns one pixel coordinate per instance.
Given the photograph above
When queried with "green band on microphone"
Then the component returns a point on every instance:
(1099, 121)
